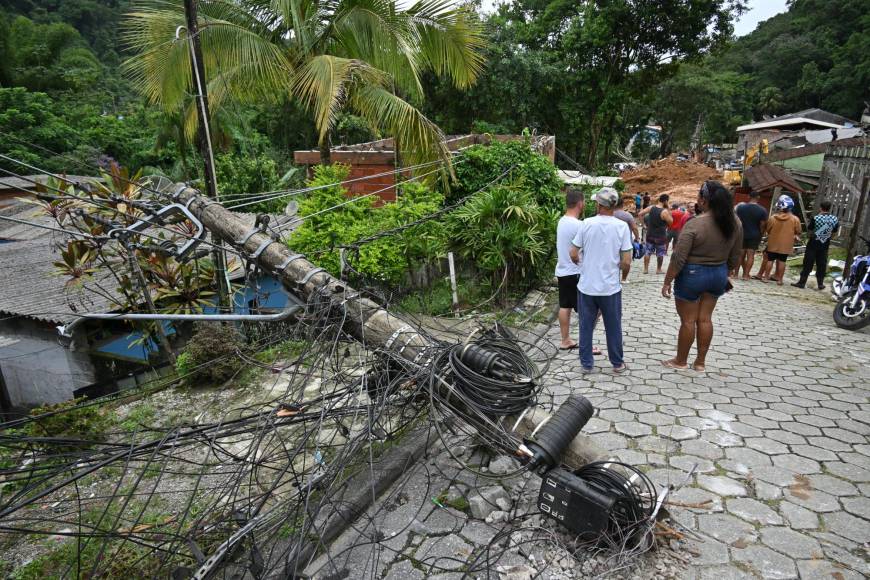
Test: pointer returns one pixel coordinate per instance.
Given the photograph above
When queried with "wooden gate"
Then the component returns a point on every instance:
(845, 183)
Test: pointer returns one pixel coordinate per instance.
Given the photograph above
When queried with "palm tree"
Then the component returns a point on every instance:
(366, 56)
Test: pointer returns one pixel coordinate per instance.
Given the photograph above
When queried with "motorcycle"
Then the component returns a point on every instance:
(852, 311)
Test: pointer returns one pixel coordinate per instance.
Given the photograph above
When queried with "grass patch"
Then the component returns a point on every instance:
(140, 417)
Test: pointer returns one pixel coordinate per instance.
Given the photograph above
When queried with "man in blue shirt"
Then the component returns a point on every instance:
(824, 225)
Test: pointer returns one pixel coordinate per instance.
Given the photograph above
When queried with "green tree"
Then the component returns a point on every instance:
(572, 68)
(365, 56)
(48, 56)
(770, 101)
(28, 119)
(716, 97)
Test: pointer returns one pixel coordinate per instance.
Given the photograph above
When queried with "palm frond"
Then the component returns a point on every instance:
(323, 83)
(419, 138)
(451, 40)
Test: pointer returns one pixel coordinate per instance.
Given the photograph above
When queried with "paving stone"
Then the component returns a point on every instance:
(766, 491)
(638, 406)
(677, 432)
(708, 502)
(859, 506)
(813, 499)
(709, 551)
(722, 438)
(813, 452)
(596, 425)
(630, 456)
(689, 462)
(722, 573)
(657, 445)
(832, 485)
(797, 517)
(767, 563)
(445, 552)
(701, 448)
(633, 429)
(797, 464)
(727, 528)
(847, 526)
(753, 511)
(825, 570)
(791, 543)
(748, 457)
(846, 471)
(722, 485)
(404, 571)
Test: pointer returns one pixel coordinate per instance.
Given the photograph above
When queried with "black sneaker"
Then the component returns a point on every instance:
(821, 286)
(798, 285)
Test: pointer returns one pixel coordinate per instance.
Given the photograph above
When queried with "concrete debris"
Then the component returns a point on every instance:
(503, 465)
(483, 502)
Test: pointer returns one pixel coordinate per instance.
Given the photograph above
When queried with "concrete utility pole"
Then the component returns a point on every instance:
(204, 138)
(375, 323)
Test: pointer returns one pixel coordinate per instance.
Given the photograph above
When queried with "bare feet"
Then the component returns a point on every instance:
(596, 351)
(660, 272)
(746, 278)
(672, 364)
(699, 367)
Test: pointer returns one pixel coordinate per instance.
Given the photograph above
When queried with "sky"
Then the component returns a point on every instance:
(759, 10)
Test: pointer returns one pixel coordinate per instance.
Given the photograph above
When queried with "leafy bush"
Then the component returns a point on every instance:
(531, 171)
(504, 231)
(388, 259)
(68, 419)
(254, 173)
(211, 355)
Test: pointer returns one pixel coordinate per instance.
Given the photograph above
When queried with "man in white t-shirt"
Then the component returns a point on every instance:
(567, 272)
(605, 243)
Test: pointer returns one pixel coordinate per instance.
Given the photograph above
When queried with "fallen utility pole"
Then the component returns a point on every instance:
(366, 317)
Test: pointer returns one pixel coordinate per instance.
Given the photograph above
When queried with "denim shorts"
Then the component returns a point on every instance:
(696, 279)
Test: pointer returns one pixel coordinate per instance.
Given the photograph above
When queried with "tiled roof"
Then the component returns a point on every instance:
(764, 177)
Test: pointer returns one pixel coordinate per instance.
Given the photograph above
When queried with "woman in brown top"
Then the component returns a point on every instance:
(709, 247)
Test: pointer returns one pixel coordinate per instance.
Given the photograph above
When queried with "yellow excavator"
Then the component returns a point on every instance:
(753, 153)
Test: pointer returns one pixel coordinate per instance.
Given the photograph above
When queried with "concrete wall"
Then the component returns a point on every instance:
(36, 368)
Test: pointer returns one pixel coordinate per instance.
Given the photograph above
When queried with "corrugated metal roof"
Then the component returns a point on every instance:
(29, 286)
(764, 177)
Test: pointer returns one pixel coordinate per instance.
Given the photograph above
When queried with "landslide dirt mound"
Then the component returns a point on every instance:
(679, 179)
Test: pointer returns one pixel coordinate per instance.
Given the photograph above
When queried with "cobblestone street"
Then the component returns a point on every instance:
(777, 427)
(774, 434)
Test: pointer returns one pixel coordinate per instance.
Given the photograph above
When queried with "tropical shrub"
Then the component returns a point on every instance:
(211, 356)
(333, 220)
(482, 164)
(504, 231)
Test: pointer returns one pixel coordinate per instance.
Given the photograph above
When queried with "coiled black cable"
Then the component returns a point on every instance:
(635, 499)
(506, 388)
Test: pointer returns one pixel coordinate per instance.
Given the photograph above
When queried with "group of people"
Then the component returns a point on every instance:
(594, 256)
(783, 230)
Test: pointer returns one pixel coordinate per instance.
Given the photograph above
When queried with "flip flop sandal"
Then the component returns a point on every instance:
(596, 351)
(670, 364)
(572, 347)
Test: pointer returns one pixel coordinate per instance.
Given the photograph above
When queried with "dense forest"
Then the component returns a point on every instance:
(588, 72)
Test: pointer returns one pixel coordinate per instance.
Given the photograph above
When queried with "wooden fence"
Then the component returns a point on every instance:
(845, 182)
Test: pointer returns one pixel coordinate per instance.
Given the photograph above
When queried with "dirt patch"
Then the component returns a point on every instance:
(679, 179)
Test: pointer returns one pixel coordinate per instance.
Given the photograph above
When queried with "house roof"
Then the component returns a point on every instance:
(30, 287)
(25, 182)
(811, 117)
(782, 154)
(763, 177)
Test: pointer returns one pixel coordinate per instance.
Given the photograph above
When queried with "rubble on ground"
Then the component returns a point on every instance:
(679, 179)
